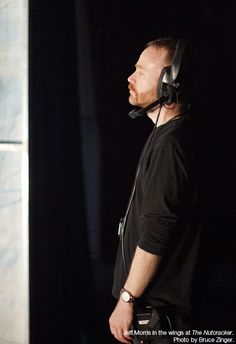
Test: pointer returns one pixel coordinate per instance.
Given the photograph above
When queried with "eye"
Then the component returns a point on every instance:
(140, 72)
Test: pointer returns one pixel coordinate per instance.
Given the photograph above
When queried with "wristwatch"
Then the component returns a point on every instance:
(126, 296)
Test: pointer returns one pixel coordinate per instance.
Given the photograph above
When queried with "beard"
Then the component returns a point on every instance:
(142, 99)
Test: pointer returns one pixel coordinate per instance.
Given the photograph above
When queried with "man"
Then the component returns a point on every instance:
(161, 239)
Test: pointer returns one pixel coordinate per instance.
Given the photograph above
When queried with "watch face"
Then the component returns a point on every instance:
(125, 296)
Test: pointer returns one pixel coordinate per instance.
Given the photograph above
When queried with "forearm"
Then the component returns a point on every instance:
(143, 268)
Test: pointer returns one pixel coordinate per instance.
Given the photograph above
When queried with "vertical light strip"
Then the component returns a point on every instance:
(25, 172)
(14, 173)
(25, 235)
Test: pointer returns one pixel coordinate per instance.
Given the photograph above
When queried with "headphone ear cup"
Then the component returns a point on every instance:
(168, 89)
(169, 81)
(163, 88)
(160, 83)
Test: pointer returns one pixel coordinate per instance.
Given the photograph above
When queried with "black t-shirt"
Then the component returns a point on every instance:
(162, 219)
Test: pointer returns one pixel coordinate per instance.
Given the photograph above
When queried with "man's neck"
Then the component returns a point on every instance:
(167, 113)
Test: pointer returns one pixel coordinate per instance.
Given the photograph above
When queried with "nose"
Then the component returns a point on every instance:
(131, 79)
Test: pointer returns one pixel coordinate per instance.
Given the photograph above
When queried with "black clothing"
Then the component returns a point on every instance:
(162, 219)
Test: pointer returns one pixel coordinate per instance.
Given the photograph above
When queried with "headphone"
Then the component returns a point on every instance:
(169, 82)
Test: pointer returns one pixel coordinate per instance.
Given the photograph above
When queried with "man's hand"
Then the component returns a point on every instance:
(143, 268)
(121, 320)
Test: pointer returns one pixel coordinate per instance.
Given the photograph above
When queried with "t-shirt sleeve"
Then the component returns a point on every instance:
(164, 191)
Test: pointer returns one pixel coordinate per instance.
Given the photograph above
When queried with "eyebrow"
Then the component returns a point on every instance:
(139, 66)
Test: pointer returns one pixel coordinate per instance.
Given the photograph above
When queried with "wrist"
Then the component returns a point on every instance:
(126, 296)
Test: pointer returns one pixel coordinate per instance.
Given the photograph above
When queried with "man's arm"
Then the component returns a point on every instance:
(143, 268)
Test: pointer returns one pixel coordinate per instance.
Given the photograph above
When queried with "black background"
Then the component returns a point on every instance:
(70, 294)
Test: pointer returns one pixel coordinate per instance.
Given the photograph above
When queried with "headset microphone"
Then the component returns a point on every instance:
(142, 112)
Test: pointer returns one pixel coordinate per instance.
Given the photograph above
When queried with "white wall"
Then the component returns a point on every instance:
(14, 313)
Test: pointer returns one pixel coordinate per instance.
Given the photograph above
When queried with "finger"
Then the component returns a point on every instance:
(128, 334)
(121, 337)
(113, 331)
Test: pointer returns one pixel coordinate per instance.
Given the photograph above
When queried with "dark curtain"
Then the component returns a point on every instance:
(61, 292)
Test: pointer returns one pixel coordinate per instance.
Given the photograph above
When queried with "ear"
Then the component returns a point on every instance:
(171, 106)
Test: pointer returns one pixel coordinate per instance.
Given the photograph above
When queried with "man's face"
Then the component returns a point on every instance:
(143, 82)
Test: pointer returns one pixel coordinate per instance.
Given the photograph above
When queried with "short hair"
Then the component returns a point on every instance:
(168, 43)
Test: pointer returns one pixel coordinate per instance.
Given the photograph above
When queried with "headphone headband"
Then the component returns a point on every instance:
(170, 76)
